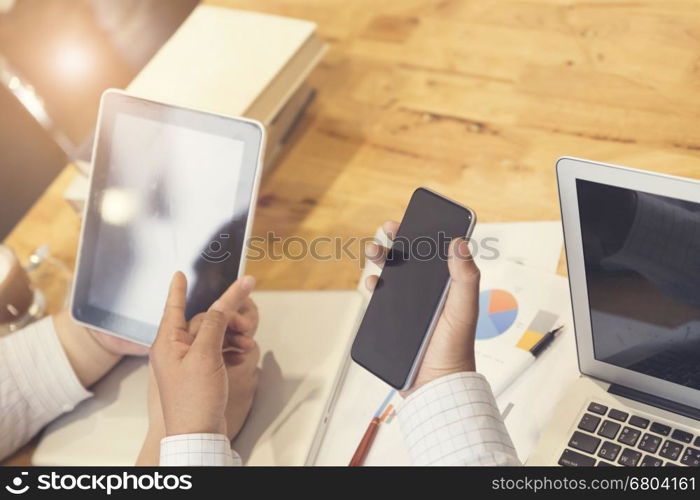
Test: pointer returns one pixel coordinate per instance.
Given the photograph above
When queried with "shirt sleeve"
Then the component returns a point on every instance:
(198, 449)
(454, 420)
(37, 383)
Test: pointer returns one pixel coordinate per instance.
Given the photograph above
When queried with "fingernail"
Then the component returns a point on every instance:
(247, 283)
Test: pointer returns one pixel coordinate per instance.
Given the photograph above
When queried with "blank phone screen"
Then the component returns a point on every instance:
(410, 288)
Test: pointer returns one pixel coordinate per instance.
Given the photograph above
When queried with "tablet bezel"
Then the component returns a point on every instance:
(569, 170)
(250, 132)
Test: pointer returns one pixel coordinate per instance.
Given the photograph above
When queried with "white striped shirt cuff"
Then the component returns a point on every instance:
(197, 449)
(37, 383)
(454, 420)
(41, 371)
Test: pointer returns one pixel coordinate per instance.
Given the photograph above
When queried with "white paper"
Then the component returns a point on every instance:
(533, 395)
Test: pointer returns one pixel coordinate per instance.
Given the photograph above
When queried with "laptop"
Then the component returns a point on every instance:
(633, 252)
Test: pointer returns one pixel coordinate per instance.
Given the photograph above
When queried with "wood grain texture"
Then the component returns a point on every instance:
(475, 99)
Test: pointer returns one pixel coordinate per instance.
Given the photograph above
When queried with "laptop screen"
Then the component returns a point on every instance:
(642, 261)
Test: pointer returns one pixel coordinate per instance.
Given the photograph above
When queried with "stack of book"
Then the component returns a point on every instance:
(237, 63)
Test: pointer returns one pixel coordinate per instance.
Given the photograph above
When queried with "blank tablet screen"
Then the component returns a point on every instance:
(171, 193)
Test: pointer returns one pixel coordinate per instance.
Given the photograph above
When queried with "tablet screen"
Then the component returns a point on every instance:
(169, 194)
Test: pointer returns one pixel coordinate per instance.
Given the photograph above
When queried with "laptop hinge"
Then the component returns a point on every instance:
(650, 399)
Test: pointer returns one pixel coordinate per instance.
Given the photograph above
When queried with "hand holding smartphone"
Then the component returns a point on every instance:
(410, 293)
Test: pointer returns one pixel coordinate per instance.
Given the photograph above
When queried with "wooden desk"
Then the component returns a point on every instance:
(473, 99)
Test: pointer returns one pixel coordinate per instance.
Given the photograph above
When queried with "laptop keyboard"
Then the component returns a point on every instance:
(611, 437)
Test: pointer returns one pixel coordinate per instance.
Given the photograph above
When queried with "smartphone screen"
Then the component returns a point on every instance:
(409, 293)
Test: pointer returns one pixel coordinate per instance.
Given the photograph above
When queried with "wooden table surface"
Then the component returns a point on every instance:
(475, 99)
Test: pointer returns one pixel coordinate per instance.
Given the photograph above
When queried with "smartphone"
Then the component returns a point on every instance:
(411, 290)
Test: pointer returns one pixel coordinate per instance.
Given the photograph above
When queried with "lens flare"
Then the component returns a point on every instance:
(72, 60)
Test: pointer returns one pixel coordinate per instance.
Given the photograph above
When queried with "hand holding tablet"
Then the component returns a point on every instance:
(171, 189)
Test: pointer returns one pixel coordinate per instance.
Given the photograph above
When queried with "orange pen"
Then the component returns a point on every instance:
(366, 442)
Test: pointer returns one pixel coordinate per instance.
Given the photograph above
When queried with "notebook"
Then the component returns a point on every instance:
(304, 338)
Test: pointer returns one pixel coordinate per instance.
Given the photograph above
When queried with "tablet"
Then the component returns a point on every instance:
(171, 189)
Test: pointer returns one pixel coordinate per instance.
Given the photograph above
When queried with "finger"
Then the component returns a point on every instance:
(371, 282)
(239, 332)
(238, 342)
(247, 318)
(463, 296)
(245, 324)
(234, 339)
(390, 228)
(240, 323)
(376, 253)
(462, 265)
(234, 297)
(251, 357)
(173, 326)
(248, 307)
(233, 358)
(210, 336)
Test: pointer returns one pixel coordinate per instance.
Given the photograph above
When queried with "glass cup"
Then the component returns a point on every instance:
(20, 302)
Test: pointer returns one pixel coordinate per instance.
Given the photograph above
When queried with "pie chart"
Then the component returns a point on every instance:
(497, 312)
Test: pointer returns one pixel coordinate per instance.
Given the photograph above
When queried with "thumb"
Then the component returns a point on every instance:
(234, 296)
(462, 302)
